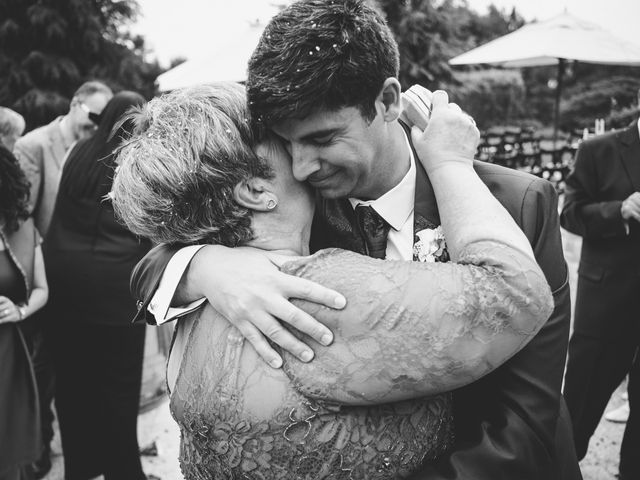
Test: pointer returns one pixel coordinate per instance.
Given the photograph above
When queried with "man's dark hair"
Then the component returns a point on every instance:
(321, 54)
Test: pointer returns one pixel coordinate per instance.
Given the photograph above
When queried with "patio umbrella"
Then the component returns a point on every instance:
(554, 42)
(227, 62)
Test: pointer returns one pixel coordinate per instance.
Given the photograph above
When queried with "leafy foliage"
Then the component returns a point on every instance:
(600, 93)
(49, 47)
(430, 32)
(622, 118)
(490, 95)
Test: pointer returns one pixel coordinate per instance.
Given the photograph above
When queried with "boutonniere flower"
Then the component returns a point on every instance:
(430, 246)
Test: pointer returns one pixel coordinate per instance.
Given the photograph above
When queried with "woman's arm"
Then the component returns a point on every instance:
(414, 329)
(40, 292)
(10, 312)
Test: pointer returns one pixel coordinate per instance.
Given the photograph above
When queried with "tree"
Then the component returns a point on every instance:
(49, 47)
(431, 32)
(604, 97)
(491, 96)
(423, 33)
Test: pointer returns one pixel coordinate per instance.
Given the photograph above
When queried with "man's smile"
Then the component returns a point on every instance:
(322, 178)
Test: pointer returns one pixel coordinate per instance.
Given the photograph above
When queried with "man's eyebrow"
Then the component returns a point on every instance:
(320, 133)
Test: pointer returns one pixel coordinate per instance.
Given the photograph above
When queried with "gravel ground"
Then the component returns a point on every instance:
(156, 425)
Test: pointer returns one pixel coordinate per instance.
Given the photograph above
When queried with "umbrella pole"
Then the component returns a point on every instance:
(556, 113)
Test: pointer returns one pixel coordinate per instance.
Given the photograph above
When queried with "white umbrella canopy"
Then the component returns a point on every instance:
(554, 42)
(227, 62)
(544, 43)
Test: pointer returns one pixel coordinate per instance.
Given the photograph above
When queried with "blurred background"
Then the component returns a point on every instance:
(532, 117)
(48, 48)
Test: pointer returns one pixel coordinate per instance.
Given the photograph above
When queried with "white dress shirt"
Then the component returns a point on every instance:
(395, 207)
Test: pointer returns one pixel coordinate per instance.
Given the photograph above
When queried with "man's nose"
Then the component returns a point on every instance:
(304, 162)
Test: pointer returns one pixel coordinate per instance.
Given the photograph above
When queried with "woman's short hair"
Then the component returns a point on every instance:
(177, 173)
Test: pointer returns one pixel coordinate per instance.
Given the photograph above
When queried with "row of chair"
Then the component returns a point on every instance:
(522, 149)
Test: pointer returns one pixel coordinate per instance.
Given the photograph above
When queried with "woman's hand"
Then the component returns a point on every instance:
(248, 289)
(451, 135)
(9, 311)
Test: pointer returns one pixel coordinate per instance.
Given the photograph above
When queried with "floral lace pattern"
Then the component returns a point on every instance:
(224, 437)
(358, 411)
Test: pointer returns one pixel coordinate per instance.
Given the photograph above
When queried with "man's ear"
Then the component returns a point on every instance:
(255, 194)
(390, 98)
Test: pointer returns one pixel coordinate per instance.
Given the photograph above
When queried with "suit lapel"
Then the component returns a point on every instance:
(425, 205)
(630, 153)
(56, 143)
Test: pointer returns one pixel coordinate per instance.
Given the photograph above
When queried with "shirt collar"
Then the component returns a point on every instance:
(397, 204)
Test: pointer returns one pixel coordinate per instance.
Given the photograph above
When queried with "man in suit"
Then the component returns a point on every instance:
(324, 79)
(41, 154)
(603, 206)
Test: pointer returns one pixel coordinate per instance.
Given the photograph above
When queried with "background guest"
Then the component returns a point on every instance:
(603, 206)
(23, 290)
(97, 352)
(11, 127)
(41, 153)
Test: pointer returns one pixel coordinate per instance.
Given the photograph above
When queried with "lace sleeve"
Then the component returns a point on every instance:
(414, 329)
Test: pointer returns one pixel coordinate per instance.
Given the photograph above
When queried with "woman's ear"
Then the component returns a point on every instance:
(255, 194)
(390, 98)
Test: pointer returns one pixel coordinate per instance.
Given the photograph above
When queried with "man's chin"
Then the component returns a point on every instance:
(335, 186)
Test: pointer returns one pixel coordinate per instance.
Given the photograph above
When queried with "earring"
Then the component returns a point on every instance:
(271, 204)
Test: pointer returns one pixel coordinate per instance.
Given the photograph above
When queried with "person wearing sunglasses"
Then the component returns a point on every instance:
(41, 154)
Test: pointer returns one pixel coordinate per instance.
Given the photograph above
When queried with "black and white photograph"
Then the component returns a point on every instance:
(319, 240)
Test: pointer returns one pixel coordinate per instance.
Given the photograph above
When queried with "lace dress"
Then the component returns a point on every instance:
(358, 410)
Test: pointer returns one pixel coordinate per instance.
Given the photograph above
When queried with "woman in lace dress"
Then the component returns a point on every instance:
(372, 404)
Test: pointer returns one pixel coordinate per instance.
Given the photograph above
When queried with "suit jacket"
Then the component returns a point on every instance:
(607, 171)
(41, 154)
(509, 424)
(513, 423)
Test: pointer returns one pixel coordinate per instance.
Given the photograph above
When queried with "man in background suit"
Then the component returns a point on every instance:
(42, 151)
(603, 206)
(343, 141)
(41, 154)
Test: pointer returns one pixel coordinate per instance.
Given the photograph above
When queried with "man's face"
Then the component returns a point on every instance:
(338, 152)
(82, 125)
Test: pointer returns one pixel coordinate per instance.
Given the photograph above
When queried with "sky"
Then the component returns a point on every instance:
(192, 28)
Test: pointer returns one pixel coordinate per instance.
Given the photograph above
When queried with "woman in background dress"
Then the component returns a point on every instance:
(98, 353)
(23, 291)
